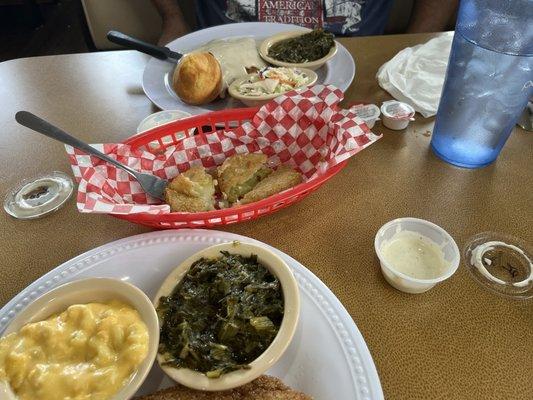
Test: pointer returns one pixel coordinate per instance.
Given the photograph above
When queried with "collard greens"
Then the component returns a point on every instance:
(300, 49)
(221, 316)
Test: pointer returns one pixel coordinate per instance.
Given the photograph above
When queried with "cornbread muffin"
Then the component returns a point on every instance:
(198, 78)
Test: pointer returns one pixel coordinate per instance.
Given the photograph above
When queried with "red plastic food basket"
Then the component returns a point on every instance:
(158, 139)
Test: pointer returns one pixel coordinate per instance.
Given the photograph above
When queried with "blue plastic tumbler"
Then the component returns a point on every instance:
(488, 81)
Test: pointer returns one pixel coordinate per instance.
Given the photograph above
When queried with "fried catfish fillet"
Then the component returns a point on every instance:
(263, 388)
(240, 173)
(191, 191)
(281, 179)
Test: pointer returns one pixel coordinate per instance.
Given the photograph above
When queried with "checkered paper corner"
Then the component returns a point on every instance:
(304, 129)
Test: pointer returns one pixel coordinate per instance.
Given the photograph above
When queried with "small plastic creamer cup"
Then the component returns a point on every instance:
(427, 229)
(396, 115)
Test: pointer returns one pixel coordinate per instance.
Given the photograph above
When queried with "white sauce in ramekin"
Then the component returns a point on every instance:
(414, 255)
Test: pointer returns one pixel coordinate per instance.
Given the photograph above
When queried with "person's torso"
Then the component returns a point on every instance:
(342, 17)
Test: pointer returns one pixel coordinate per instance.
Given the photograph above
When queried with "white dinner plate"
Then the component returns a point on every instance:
(157, 77)
(327, 359)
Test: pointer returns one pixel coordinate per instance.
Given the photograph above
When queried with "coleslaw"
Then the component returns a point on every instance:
(272, 80)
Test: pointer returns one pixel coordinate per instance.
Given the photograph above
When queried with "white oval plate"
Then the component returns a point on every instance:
(157, 77)
(327, 359)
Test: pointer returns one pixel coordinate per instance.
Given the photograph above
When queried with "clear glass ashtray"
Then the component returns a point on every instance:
(38, 196)
(501, 263)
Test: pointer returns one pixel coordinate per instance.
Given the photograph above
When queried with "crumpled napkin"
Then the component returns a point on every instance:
(416, 74)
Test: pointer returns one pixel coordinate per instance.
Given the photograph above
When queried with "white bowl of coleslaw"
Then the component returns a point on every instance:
(260, 87)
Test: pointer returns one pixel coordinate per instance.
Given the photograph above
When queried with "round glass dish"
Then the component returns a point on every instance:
(36, 197)
(500, 263)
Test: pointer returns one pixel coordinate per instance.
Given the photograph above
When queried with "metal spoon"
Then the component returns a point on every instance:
(151, 184)
(163, 53)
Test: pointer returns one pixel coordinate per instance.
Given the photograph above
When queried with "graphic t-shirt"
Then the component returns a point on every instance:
(342, 17)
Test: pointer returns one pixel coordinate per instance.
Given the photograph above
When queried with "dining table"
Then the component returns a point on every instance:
(456, 341)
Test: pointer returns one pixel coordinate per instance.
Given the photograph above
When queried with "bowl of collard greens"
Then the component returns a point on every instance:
(309, 49)
(226, 315)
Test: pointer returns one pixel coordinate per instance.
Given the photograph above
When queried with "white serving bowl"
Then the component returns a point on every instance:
(87, 291)
(291, 299)
(263, 51)
(257, 101)
(425, 228)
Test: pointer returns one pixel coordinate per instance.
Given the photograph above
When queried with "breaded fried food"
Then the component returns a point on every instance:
(191, 191)
(281, 179)
(198, 78)
(240, 173)
(263, 388)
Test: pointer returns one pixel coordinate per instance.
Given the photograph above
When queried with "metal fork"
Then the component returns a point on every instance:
(151, 184)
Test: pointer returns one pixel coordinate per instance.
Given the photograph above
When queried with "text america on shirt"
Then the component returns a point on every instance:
(345, 15)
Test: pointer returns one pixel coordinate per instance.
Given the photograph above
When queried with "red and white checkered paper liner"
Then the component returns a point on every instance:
(304, 129)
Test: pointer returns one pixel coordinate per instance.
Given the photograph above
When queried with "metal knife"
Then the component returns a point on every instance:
(160, 52)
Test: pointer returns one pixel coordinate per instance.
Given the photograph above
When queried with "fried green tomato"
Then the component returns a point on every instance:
(239, 174)
(191, 191)
(281, 179)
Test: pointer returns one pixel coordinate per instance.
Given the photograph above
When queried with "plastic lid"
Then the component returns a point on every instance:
(39, 196)
(397, 110)
(161, 118)
(366, 112)
(501, 263)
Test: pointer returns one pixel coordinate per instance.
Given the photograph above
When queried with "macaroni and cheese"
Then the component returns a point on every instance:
(89, 351)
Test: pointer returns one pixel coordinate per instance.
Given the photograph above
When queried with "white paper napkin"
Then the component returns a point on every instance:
(416, 74)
